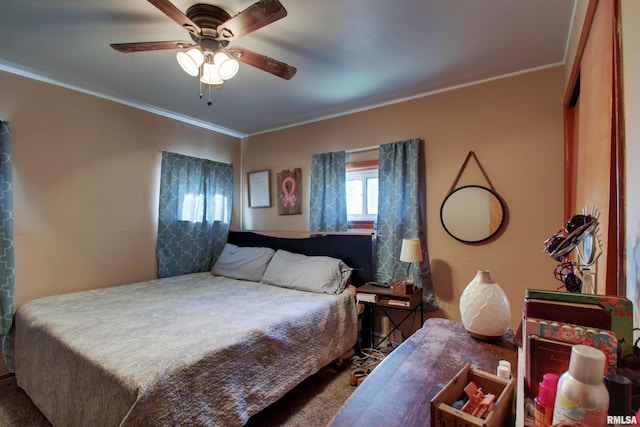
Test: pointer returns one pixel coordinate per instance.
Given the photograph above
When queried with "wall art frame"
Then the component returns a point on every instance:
(259, 189)
(289, 192)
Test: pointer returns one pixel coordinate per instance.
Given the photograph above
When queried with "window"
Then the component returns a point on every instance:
(193, 209)
(362, 195)
(194, 213)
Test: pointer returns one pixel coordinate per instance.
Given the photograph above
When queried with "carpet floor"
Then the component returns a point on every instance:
(312, 403)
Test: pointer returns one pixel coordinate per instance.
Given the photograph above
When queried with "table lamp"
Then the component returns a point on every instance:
(411, 252)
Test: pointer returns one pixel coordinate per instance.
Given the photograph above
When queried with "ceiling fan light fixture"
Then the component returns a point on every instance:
(190, 61)
(220, 56)
(212, 28)
(210, 74)
(228, 68)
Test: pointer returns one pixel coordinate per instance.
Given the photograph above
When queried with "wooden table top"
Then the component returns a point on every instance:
(399, 390)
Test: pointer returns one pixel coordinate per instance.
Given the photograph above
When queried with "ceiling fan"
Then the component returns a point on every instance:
(212, 29)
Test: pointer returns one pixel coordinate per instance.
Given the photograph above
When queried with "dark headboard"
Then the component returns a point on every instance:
(356, 250)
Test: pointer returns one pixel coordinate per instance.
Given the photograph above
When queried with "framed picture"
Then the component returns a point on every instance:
(259, 189)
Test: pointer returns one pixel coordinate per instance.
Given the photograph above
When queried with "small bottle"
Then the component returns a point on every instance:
(620, 390)
(504, 370)
(543, 417)
(582, 398)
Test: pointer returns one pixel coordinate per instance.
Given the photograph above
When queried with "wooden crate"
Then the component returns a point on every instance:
(443, 414)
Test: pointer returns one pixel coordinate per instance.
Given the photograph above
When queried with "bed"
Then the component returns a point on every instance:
(199, 349)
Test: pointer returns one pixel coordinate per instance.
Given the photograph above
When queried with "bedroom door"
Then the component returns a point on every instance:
(593, 139)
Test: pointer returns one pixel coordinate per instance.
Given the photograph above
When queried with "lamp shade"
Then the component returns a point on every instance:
(190, 61)
(411, 250)
(227, 66)
(210, 74)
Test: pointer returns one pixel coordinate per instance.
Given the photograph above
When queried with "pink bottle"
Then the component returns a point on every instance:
(543, 416)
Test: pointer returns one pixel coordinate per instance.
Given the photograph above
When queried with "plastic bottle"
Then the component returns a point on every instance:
(582, 398)
(543, 417)
(504, 369)
(620, 391)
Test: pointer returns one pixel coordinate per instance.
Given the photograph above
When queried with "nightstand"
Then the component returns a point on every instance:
(386, 299)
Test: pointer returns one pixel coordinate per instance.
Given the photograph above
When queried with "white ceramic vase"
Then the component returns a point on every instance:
(485, 308)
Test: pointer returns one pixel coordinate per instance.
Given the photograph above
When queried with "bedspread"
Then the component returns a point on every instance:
(190, 350)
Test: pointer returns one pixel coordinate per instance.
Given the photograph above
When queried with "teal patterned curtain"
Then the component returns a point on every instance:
(400, 213)
(328, 195)
(194, 215)
(6, 230)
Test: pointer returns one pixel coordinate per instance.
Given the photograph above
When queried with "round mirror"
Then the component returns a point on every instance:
(587, 253)
(588, 248)
(472, 213)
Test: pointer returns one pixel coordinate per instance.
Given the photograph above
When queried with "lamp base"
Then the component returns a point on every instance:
(484, 308)
(485, 337)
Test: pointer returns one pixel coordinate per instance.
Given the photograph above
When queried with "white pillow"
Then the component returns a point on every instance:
(307, 273)
(242, 263)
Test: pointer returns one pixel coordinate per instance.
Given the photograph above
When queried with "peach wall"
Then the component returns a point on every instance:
(514, 125)
(86, 179)
(86, 174)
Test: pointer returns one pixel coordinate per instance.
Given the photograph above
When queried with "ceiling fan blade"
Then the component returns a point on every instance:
(176, 14)
(264, 63)
(251, 19)
(146, 46)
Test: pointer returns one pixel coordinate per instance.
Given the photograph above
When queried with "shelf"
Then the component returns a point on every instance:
(404, 301)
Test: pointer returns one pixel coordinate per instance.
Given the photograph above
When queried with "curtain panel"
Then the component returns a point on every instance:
(194, 213)
(7, 271)
(401, 213)
(6, 230)
(328, 195)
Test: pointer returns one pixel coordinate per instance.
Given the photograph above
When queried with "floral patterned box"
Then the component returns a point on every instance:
(620, 308)
(604, 340)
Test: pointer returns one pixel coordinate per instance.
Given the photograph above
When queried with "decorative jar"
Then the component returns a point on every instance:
(485, 308)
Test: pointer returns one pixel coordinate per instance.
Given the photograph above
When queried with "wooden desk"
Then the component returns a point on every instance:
(399, 390)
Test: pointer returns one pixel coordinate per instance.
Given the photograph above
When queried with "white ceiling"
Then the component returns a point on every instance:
(350, 54)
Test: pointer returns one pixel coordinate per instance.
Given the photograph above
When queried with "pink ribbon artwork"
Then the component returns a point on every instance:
(288, 189)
